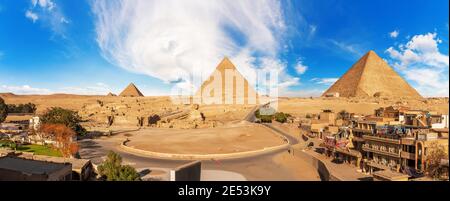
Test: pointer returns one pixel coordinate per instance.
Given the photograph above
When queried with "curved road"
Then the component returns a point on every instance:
(261, 167)
(292, 140)
(250, 117)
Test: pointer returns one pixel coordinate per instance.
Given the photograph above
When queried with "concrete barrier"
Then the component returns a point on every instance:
(188, 172)
(326, 174)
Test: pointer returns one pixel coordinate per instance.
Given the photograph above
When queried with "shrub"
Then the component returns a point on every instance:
(281, 117)
(266, 118)
(3, 110)
(22, 108)
(433, 161)
(8, 144)
(257, 114)
(113, 170)
(343, 115)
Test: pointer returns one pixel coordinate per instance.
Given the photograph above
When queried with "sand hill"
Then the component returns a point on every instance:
(230, 94)
(372, 76)
(131, 91)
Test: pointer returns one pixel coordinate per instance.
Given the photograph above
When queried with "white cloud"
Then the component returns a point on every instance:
(430, 82)
(64, 20)
(300, 68)
(46, 4)
(348, 47)
(32, 16)
(24, 89)
(421, 62)
(312, 30)
(394, 34)
(324, 81)
(49, 14)
(302, 93)
(171, 39)
(97, 89)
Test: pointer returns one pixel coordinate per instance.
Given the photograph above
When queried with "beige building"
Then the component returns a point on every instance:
(392, 143)
(416, 147)
(382, 150)
(405, 151)
(82, 169)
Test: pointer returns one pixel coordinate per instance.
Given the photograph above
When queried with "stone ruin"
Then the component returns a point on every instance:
(144, 112)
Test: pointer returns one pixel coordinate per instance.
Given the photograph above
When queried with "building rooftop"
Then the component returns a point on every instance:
(390, 175)
(76, 163)
(366, 122)
(30, 166)
(18, 117)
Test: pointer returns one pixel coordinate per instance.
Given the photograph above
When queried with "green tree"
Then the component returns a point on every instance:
(257, 115)
(436, 153)
(69, 118)
(281, 117)
(343, 115)
(3, 110)
(22, 108)
(266, 118)
(113, 169)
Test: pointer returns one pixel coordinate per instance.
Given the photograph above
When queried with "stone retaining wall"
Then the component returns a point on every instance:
(326, 174)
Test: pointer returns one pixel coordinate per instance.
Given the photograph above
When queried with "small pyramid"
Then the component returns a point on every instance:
(111, 94)
(227, 91)
(131, 91)
(370, 77)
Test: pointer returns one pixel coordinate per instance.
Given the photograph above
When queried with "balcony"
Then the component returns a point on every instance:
(407, 155)
(377, 165)
(366, 148)
(408, 141)
(358, 139)
(381, 139)
(361, 130)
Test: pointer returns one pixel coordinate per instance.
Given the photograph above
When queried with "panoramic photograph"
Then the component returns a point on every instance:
(196, 90)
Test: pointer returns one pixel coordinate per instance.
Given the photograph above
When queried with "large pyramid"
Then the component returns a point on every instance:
(372, 76)
(234, 89)
(131, 91)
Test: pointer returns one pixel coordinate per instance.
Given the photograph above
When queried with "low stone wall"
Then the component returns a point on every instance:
(326, 174)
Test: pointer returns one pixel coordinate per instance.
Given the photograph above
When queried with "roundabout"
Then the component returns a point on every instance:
(230, 142)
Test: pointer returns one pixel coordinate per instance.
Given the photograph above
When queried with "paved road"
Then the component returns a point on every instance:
(251, 115)
(261, 167)
(292, 140)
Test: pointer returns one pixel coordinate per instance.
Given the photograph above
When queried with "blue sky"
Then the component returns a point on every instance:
(93, 47)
